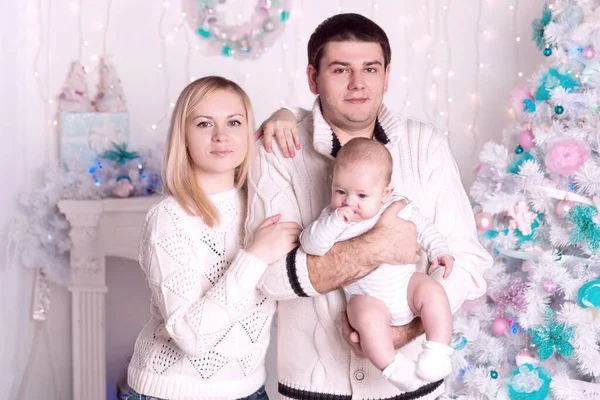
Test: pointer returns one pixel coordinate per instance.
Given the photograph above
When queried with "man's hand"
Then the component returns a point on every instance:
(446, 261)
(401, 335)
(406, 333)
(283, 126)
(351, 337)
(393, 239)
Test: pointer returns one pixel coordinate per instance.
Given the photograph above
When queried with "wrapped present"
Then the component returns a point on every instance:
(85, 136)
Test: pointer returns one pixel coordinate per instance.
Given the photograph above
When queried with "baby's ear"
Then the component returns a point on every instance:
(387, 192)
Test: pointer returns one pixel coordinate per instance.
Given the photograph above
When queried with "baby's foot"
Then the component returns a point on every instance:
(402, 374)
(434, 361)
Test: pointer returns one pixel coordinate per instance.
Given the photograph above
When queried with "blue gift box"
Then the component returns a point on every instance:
(85, 136)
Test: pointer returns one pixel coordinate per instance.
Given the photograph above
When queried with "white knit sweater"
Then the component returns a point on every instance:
(209, 327)
(314, 361)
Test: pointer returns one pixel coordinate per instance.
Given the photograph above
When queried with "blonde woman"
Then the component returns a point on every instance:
(209, 327)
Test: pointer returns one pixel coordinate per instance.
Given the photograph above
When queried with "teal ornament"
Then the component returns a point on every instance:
(529, 382)
(589, 294)
(585, 228)
(552, 336)
(227, 51)
(120, 154)
(518, 150)
(203, 33)
(494, 374)
(547, 51)
(553, 79)
(559, 109)
(285, 15)
(530, 106)
(539, 25)
(519, 159)
(458, 342)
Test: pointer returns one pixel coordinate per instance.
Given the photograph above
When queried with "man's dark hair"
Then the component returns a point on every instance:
(346, 27)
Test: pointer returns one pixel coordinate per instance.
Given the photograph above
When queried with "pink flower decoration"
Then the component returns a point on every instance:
(567, 156)
(522, 218)
(517, 96)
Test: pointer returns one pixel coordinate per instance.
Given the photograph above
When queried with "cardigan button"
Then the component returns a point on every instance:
(359, 375)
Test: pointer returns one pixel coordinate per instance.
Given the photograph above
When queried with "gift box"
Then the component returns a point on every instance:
(85, 136)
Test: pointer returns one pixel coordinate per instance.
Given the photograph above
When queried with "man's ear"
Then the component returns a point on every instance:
(312, 74)
(387, 192)
(387, 76)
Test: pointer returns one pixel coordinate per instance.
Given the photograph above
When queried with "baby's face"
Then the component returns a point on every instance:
(360, 187)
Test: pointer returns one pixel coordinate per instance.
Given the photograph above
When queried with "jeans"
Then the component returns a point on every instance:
(260, 394)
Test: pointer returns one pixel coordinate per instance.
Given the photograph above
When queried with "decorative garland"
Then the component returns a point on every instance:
(246, 41)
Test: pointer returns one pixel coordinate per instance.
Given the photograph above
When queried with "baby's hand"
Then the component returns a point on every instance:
(445, 260)
(346, 214)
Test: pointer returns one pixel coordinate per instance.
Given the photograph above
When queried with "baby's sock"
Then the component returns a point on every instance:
(402, 374)
(434, 361)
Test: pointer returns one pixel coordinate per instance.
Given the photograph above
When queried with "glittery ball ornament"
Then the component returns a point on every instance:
(500, 327)
(525, 140)
(484, 221)
(588, 53)
(563, 208)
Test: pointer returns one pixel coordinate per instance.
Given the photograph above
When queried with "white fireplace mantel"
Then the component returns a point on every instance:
(99, 228)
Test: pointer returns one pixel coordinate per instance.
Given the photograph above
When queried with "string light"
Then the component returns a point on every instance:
(518, 39)
(473, 125)
(448, 64)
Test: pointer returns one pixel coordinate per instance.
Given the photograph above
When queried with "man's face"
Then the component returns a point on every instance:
(351, 83)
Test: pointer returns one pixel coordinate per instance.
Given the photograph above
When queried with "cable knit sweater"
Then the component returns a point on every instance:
(209, 326)
(314, 361)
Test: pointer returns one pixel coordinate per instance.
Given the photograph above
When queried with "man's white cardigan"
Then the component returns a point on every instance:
(314, 361)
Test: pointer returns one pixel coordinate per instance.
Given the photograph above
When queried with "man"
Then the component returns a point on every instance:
(349, 63)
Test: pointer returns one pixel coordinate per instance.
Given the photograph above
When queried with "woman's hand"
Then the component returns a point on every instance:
(273, 239)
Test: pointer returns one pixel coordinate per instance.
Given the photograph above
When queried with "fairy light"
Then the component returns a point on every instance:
(432, 94)
(515, 27)
(448, 65)
(474, 97)
(405, 23)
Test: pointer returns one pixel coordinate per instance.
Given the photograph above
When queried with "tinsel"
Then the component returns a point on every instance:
(552, 336)
(586, 229)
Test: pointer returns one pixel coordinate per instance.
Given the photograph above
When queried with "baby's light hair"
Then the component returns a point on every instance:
(363, 150)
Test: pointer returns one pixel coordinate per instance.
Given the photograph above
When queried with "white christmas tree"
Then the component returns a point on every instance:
(110, 97)
(74, 93)
(536, 334)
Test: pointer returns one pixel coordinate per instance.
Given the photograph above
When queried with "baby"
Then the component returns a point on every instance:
(391, 294)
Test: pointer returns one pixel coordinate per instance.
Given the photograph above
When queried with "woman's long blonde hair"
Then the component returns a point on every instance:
(178, 172)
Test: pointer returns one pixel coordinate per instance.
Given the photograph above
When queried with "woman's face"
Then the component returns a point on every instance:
(216, 134)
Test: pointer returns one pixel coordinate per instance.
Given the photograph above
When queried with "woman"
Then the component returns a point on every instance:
(209, 327)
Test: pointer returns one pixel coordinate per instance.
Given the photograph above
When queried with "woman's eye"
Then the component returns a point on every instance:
(204, 124)
(235, 123)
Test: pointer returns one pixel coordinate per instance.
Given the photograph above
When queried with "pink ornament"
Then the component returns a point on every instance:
(563, 207)
(500, 327)
(484, 221)
(567, 156)
(517, 96)
(549, 286)
(526, 140)
(589, 53)
(123, 188)
(526, 357)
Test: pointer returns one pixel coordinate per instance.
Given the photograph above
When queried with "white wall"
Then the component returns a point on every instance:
(132, 38)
